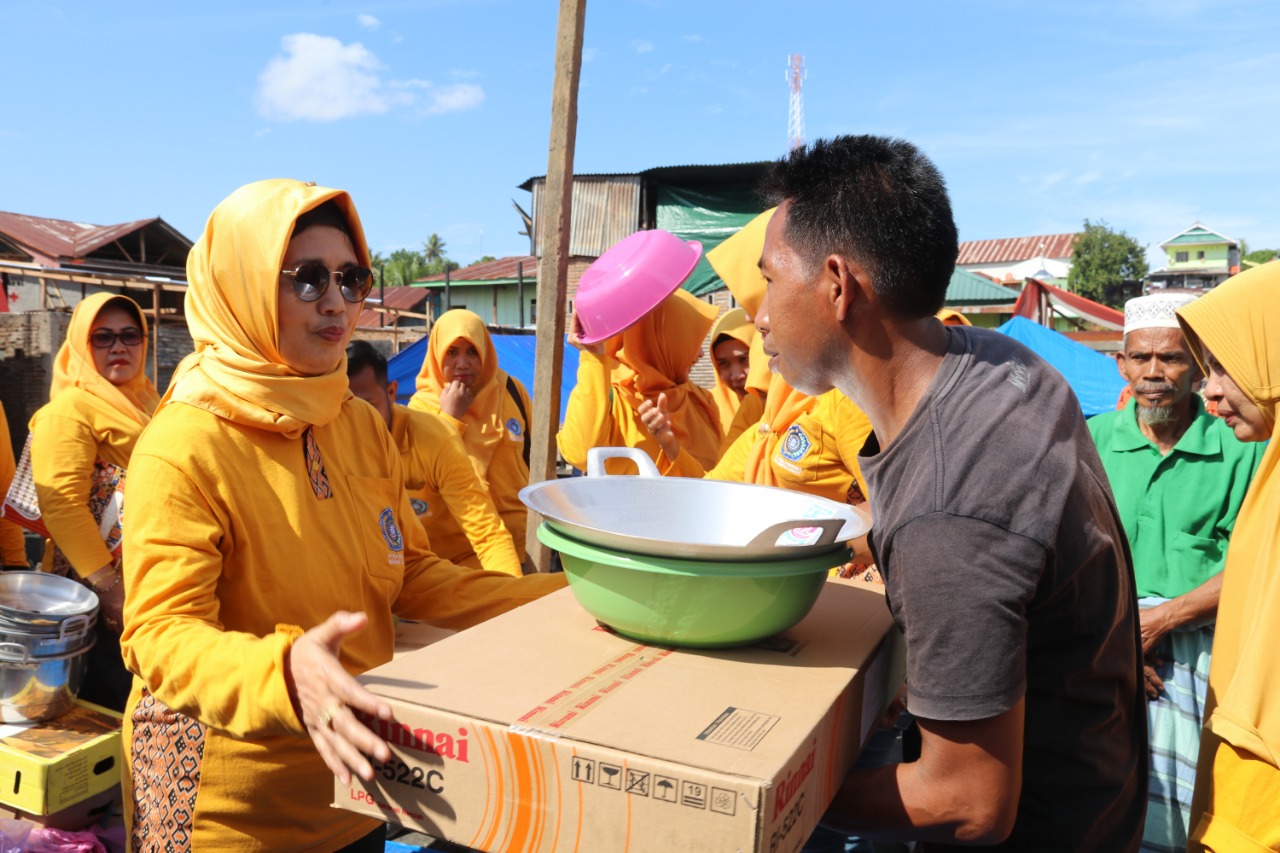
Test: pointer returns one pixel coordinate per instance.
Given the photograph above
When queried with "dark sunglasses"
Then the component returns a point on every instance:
(311, 280)
(104, 339)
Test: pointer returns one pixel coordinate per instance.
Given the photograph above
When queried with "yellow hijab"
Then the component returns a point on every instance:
(737, 262)
(485, 424)
(74, 366)
(233, 274)
(732, 323)
(655, 356)
(1239, 321)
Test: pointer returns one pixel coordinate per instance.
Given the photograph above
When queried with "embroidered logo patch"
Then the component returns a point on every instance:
(795, 445)
(390, 532)
(420, 506)
(513, 427)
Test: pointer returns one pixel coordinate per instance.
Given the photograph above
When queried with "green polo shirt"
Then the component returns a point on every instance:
(1177, 509)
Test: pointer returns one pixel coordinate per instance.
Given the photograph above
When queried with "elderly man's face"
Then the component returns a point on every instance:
(794, 320)
(1160, 371)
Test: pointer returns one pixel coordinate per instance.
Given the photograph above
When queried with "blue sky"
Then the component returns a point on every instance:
(1149, 115)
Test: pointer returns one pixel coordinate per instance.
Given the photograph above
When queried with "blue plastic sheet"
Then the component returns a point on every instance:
(515, 356)
(1092, 375)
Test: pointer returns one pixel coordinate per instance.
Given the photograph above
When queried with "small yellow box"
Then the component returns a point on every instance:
(45, 768)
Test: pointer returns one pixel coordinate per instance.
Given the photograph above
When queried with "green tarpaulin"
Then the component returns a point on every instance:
(709, 216)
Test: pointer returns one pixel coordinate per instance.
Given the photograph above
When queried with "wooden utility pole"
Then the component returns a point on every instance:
(553, 265)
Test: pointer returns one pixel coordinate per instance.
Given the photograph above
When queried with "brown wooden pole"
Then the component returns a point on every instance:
(553, 266)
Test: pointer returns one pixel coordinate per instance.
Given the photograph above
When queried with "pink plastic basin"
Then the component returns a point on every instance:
(629, 281)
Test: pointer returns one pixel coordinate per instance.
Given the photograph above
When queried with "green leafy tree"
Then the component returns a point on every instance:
(1102, 260)
(1260, 256)
(403, 267)
(433, 249)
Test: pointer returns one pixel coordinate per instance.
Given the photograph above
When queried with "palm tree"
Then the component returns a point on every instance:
(433, 249)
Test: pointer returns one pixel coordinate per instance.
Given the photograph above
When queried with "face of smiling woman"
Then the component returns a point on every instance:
(314, 335)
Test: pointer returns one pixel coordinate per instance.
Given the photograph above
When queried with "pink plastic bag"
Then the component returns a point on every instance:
(60, 841)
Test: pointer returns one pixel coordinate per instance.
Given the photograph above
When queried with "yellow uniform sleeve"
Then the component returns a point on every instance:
(63, 452)
(849, 428)
(733, 461)
(473, 509)
(750, 410)
(13, 550)
(588, 421)
(173, 639)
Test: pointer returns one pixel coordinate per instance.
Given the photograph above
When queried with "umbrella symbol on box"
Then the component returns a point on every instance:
(665, 789)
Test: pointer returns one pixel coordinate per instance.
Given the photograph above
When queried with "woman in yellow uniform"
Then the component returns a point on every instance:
(731, 338)
(274, 503)
(462, 381)
(100, 400)
(13, 549)
(453, 506)
(1234, 332)
(648, 361)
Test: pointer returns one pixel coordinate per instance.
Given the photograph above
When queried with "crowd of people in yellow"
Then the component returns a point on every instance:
(284, 511)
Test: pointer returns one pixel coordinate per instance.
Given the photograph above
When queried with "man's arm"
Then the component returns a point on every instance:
(964, 789)
(1195, 606)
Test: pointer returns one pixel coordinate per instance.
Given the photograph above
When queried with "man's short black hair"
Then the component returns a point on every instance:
(878, 201)
(362, 354)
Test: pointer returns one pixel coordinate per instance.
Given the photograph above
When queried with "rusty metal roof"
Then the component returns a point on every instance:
(503, 269)
(149, 246)
(1012, 249)
(404, 298)
(698, 174)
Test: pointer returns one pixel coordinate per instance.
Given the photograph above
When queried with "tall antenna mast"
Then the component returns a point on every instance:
(795, 115)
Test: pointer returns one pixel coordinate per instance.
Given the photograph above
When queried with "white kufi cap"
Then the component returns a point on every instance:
(1157, 311)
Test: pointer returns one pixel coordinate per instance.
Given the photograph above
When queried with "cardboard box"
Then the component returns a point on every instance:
(87, 812)
(541, 731)
(47, 767)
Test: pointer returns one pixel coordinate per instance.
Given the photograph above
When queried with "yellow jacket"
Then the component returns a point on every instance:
(229, 556)
(13, 550)
(68, 434)
(815, 453)
(461, 523)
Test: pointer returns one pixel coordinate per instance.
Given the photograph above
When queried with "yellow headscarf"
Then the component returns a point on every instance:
(485, 426)
(233, 274)
(1239, 322)
(656, 351)
(732, 323)
(737, 262)
(74, 366)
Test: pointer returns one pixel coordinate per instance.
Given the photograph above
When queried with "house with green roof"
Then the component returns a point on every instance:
(981, 300)
(1198, 258)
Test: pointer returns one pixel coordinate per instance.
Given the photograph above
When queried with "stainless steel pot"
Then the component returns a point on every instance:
(38, 688)
(71, 633)
(690, 519)
(39, 601)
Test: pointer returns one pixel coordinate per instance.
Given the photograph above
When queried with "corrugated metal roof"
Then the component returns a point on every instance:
(732, 172)
(60, 238)
(970, 288)
(486, 271)
(604, 211)
(404, 298)
(1011, 249)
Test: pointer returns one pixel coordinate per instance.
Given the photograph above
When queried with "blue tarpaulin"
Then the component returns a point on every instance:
(515, 356)
(1092, 375)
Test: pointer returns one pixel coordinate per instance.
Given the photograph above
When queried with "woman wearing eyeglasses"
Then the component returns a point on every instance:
(275, 503)
(100, 400)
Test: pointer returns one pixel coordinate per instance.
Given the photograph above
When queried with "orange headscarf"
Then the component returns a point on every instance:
(237, 371)
(737, 262)
(1239, 322)
(655, 357)
(74, 366)
(733, 324)
(485, 428)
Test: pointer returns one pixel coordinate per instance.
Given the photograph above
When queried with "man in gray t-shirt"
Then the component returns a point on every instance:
(1004, 560)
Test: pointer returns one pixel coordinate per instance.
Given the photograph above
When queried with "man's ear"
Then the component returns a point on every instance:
(392, 387)
(847, 283)
(1122, 365)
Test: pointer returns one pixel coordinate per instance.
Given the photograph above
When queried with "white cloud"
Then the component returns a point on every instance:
(692, 38)
(590, 54)
(318, 78)
(369, 22)
(664, 69)
(642, 46)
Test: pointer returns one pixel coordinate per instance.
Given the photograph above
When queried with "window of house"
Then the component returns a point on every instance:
(1199, 256)
(1181, 257)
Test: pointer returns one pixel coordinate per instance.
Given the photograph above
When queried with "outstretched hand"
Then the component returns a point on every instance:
(326, 698)
(657, 420)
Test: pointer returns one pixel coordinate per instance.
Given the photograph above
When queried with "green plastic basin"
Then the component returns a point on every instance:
(689, 603)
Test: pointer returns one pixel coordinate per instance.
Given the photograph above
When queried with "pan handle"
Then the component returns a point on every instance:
(596, 457)
(768, 537)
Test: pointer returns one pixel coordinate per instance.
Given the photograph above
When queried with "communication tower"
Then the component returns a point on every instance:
(795, 115)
